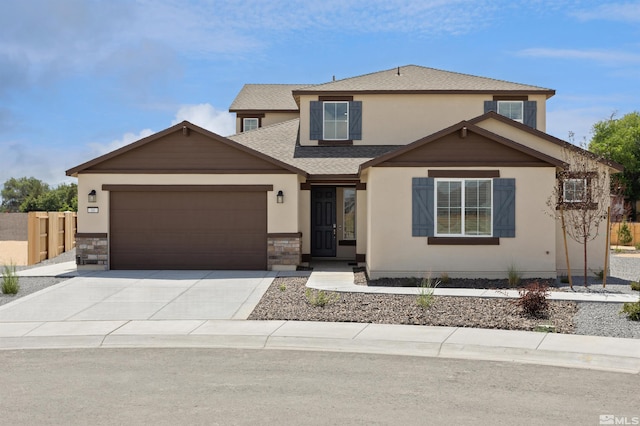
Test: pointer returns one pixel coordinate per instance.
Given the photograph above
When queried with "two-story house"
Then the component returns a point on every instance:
(408, 171)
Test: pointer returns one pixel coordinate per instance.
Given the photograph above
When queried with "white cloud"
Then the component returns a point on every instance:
(623, 12)
(206, 116)
(20, 159)
(611, 57)
(97, 149)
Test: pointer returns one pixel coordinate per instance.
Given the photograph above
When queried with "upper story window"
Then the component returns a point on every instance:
(521, 110)
(250, 124)
(336, 121)
(512, 109)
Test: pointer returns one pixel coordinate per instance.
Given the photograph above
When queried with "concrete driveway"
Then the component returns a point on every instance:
(144, 295)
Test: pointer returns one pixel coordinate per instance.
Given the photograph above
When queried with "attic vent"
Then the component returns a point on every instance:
(334, 78)
(398, 70)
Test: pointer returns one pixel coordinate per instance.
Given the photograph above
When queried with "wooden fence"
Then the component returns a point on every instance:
(50, 234)
(634, 228)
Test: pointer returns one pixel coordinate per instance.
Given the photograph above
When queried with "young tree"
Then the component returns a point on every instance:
(581, 197)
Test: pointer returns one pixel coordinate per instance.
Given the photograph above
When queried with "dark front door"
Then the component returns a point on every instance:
(323, 222)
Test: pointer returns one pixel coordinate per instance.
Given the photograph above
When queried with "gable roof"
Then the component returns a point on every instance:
(399, 156)
(135, 158)
(562, 143)
(418, 79)
(281, 141)
(265, 97)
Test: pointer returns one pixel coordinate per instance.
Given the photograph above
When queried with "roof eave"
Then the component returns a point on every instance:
(548, 92)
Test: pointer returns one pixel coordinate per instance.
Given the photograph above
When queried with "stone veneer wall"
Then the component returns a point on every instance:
(92, 249)
(284, 249)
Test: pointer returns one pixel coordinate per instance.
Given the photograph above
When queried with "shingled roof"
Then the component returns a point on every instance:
(265, 97)
(280, 141)
(417, 79)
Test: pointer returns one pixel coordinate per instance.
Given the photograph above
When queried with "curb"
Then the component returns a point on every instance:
(573, 351)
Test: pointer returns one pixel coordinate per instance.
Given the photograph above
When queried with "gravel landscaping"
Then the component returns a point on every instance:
(30, 285)
(286, 299)
(597, 319)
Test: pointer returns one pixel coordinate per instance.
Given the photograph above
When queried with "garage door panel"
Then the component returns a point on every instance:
(188, 230)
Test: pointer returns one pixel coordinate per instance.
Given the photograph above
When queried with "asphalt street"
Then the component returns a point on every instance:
(232, 386)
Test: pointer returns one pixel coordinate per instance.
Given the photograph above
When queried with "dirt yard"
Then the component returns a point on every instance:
(15, 252)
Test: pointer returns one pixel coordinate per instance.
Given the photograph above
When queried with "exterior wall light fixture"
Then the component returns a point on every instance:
(280, 197)
(93, 196)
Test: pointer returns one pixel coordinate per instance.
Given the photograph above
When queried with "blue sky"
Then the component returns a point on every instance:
(81, 78)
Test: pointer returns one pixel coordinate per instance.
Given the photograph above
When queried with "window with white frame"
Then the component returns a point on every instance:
(249, 124)
(463, 207)
(336, 120)
(574, 190)
(349, 213)
(512, 109)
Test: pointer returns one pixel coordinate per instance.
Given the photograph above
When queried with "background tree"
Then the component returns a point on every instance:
(30, 194)
(585, 208)
(618, 139)
(17, 191)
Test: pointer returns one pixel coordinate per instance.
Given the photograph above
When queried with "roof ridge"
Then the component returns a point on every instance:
(355, 76)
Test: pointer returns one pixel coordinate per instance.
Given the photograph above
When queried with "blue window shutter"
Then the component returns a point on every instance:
(504, 208)
(422, 207)
(530, 113)
(315, 121)
(490, 106)
(355, 120)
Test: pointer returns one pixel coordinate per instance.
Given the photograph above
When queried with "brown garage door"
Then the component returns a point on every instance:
(188, 230)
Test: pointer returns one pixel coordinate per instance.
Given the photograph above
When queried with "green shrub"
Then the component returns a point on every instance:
(282, 287)
(514, 276)
(624, 234)
(599, 274)
(635, 285)
(425, 295)
(564, 279)
(533, 300)
(632, 309)
(319, 298)
(10, 284)
(637, 246)
(444, 278)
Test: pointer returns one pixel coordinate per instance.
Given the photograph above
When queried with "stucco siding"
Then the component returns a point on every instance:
(404, 118)
(393, 251)
(281, 218)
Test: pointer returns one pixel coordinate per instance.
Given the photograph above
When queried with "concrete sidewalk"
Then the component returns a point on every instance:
(591, 352)
(342, 281)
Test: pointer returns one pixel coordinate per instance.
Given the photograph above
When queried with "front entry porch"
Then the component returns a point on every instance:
(333, 211)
